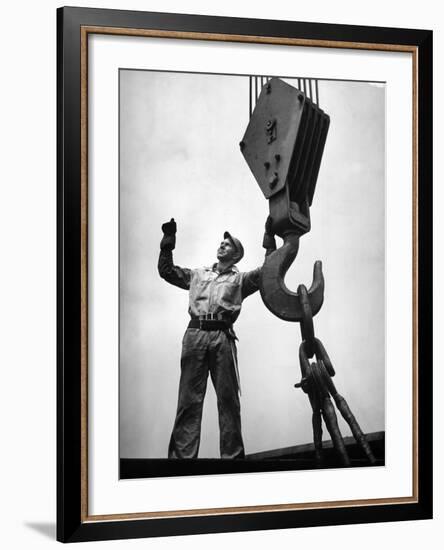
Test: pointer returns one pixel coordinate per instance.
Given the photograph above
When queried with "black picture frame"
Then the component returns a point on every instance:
(73, 522)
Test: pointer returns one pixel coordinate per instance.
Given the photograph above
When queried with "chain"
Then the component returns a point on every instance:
(310, 344)
(317, 383)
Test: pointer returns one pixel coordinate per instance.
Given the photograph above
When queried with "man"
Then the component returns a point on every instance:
(215, 297)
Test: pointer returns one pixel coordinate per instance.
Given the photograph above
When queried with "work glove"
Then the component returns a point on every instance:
(269, 242)
(168, 241)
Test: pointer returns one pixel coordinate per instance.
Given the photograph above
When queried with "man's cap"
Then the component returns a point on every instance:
(237, 245)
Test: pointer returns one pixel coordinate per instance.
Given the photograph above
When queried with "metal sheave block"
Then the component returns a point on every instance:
(283, 146)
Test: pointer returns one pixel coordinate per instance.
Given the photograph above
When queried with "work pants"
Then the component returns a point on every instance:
(206, 352)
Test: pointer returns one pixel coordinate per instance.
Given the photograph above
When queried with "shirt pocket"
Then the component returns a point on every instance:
(228, 294)
(200, 289)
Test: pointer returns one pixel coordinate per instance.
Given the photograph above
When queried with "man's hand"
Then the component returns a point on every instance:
(269, 242)
(269, 226)
(168, 241)
(169, 228)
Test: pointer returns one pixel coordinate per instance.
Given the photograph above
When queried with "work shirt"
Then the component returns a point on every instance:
(209, 290)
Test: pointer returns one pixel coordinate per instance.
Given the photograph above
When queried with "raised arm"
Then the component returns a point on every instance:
(251, 279)
(173, 274)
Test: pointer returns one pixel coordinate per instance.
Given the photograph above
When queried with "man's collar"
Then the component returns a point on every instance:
(232, 268)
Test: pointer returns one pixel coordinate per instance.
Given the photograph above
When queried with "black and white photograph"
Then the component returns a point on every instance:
(221, 277)
(251, 272)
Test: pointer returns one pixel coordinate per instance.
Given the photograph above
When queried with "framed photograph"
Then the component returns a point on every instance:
(244, 274)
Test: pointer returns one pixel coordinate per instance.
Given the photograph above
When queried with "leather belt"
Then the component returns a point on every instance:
(212, 317)
(204, 324)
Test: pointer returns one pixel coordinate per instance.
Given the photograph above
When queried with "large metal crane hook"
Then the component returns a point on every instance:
(281, 301)
(283, 146)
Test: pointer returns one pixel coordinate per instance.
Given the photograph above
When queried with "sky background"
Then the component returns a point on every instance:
(179, 157)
